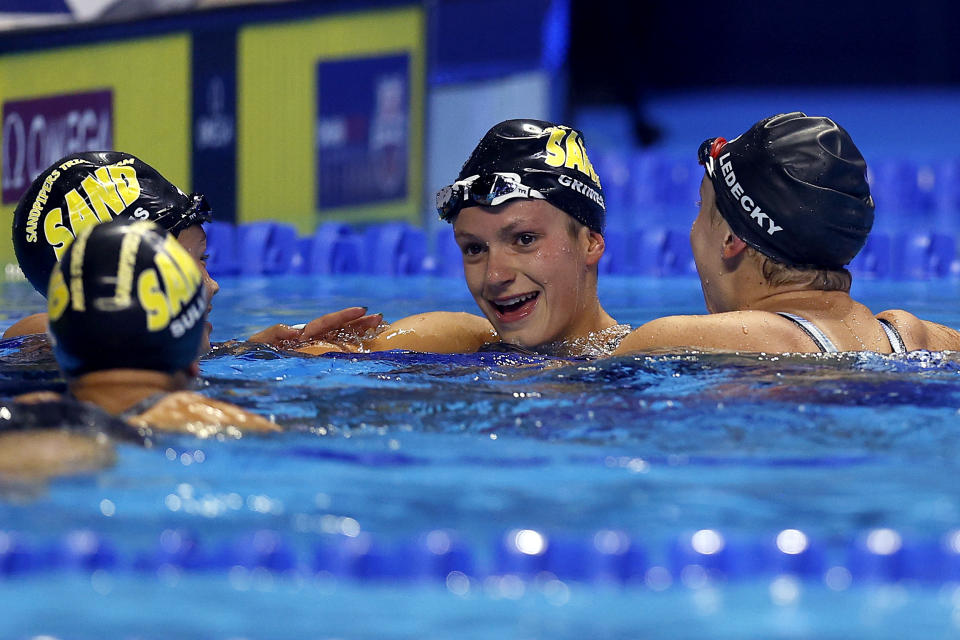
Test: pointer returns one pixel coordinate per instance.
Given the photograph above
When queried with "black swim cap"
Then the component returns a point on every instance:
(794, 188)
(126, 295)
(528, 159)
(88, 188)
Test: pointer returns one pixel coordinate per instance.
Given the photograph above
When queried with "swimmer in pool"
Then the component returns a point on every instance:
(127, 309)
(783, 208)
(528, 214)
(88, 188)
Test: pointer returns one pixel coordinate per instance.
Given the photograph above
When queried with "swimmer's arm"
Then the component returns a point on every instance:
(36, 323)
(435, 332)
(188, 412)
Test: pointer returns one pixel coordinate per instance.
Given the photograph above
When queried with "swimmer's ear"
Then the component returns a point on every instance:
(595, 247)
(194, 369)
(732, 246)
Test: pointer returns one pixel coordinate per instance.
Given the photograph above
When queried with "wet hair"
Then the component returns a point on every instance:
(778, 274)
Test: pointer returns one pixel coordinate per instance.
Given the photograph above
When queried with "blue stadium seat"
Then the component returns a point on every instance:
(300, 263)
(222, 249)
(449, 258)
(919, 255)
(614, 171)
(947, 194)
(616, 255)
(676, 259)
(646, 249)
(334, 248)
(394, 249)
(873, 261)
(266, 248)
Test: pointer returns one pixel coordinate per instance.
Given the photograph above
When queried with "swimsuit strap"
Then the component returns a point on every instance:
(896, 340)
(143, 406)
(819, 337)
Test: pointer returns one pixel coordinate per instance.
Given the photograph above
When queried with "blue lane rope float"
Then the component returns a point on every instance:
(608, 556)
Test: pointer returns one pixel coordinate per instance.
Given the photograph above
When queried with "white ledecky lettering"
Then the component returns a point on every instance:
(748, 203)
(758, 215)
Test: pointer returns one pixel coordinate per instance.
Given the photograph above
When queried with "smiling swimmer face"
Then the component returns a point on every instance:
(528, 272)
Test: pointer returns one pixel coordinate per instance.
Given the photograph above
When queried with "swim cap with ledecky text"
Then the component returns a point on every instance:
(794, 188)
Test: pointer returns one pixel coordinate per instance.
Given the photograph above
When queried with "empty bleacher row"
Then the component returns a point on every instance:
(651, 202)
(399, 249)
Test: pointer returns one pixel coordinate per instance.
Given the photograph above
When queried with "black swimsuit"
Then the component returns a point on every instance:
(826, 346)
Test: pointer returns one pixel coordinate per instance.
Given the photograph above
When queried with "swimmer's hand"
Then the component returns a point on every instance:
(351, 322)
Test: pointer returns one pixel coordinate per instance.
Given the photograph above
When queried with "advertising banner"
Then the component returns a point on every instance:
(132, 95)
(338, 135)
(40, 131)
(215, 119)
(362, 137)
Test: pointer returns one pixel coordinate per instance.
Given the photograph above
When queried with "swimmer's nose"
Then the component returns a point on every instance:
(212, 284)
(500, 271)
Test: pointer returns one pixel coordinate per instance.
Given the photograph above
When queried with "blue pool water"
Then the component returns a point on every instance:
(507, 496)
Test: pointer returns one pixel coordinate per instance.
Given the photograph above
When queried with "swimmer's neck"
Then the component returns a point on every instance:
(116, 390)
(591, 321)
(802, 300)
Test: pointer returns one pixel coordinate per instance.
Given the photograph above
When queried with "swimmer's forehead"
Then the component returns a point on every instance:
(506, 217)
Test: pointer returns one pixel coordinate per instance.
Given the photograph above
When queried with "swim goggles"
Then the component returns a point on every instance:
(197, 211)
(488, 191)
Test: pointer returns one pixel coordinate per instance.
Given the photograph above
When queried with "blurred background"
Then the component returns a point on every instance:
(323, 128)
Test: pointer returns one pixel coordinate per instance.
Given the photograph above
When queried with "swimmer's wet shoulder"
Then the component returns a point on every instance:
(188, 412)
(922, 334)
(32, 324)
(730, 331)
(156, 400)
